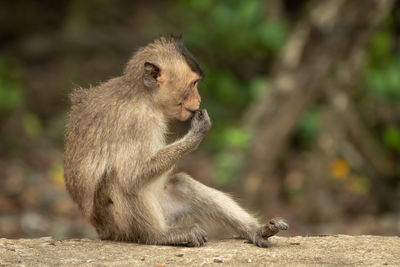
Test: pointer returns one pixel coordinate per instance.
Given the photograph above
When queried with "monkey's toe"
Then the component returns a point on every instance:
(261, 242)
(279, 223)
(198, 237)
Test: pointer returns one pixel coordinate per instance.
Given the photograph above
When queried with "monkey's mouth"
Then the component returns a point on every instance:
(192, 112)
(186, 114)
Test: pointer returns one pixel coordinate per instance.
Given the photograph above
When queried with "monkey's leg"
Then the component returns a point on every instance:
(142, 220)
(202, 201)
(192, 236)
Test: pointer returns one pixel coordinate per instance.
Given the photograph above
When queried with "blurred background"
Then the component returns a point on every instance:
(304, 97)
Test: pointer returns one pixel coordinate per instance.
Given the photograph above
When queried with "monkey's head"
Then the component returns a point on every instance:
(170, 73)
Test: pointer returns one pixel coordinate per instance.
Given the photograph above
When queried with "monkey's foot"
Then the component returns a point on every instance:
(270, 229)
(273, 227)
(197, 237)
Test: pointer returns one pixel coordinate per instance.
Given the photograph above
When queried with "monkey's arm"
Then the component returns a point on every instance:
(167, 157)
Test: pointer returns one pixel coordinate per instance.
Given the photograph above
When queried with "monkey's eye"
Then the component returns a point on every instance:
(195, 83)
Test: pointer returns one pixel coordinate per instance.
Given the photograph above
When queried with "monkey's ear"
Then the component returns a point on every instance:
(151, 73)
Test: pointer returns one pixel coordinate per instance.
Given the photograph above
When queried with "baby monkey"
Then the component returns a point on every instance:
(119, 168)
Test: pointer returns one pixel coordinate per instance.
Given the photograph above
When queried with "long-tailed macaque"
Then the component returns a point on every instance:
(119, 168)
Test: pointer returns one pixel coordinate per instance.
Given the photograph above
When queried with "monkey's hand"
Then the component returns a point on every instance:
(201, 122)
(268, 230)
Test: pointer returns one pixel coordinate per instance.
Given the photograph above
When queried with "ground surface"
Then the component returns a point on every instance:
(321, 250)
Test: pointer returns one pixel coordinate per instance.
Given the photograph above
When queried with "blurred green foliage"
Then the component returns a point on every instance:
(383, 81)
(11, 92)
(391, 136)
(308, 128)
(32, 125)
(236, 42)
(236, 27)
(383, 73)
(227, 166)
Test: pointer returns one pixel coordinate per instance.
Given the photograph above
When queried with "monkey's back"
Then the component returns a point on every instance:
(88, 140)
(108, 134)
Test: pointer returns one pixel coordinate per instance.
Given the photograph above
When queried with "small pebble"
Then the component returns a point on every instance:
(218, 261)
(179, 255)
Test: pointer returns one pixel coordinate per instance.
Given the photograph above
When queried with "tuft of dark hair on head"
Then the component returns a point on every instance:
(175, 37)
(189, 58)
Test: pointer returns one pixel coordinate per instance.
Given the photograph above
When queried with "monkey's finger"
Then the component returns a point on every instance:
(199, 114)
(205, 114)
(261, 242)
(201, 242)
(279, 223)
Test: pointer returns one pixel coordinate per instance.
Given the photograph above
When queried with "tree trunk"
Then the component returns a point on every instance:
(332, 29)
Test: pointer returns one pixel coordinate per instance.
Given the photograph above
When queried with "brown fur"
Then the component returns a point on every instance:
(118, 167)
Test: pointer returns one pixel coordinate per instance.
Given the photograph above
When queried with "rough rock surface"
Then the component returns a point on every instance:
(320, 250)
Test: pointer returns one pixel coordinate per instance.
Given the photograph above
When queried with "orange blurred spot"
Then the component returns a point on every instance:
(340, 168)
